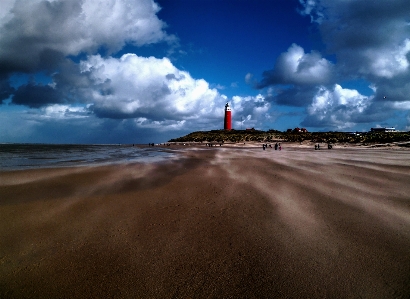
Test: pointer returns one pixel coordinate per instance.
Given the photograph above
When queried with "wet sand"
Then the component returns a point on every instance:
(215, 223)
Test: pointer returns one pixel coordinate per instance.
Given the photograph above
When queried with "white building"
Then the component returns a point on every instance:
(383, 130)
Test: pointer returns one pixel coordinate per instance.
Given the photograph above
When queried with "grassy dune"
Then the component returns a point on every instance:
(273, 135)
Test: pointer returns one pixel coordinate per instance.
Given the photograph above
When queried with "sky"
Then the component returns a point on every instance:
(139, 71)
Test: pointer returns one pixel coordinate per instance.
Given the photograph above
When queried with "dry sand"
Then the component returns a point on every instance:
(215, 223)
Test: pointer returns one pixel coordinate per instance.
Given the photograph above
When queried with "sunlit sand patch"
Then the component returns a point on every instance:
(33, 175)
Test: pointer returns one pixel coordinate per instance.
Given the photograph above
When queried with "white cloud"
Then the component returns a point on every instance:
(32, 32)
(162, 126)
(113, 22)
(299, 68)
(57, 111)
(296, 66)
(158, 95)
(339, 107)
(366, 38)
(370, 42)
(388, 62)
(134, 86)
(253, 108)
(312, 9)
(401, 105)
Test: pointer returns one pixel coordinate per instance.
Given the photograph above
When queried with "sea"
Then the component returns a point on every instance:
(28, 156)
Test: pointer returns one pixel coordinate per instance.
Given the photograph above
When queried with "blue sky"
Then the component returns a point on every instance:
(138, 71)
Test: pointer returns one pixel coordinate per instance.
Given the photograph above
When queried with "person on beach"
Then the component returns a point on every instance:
(280, 147)
(276, 146)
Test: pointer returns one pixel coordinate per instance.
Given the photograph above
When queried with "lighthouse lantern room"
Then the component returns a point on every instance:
(228, 120)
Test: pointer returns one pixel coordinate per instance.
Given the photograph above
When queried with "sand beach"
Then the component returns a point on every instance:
(219, 222)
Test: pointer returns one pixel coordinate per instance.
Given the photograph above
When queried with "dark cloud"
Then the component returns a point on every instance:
(298, 96)
(150, 115)
(368, 38)
(36, 96)
(361, 24)
(393, 90)
(5, 90)
(37, 36)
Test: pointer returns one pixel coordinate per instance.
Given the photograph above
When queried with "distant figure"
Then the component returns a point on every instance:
(280, 147)
(263, 146)
(276, 146)
(329, 146)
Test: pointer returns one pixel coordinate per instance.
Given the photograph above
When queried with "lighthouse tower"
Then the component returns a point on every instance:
(228, 120)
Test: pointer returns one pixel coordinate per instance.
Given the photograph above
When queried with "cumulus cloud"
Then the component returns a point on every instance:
(62, 39)
(47, 35)
(158, 95)
(41, 35)
(366, 38)
(133, 86)
(390, 62)
(369, 42)
(250, 105)
(299, 68)
(253, 109)
(38, 34)
(340, 108)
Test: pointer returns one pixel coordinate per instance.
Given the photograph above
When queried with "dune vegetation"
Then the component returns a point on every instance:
(222, 136)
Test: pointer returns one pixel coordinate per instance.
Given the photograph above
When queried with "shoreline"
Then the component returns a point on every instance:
(211, 223)
(178, 149)
(289, 144)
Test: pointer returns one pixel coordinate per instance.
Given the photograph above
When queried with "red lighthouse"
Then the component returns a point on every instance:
(228, 120)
